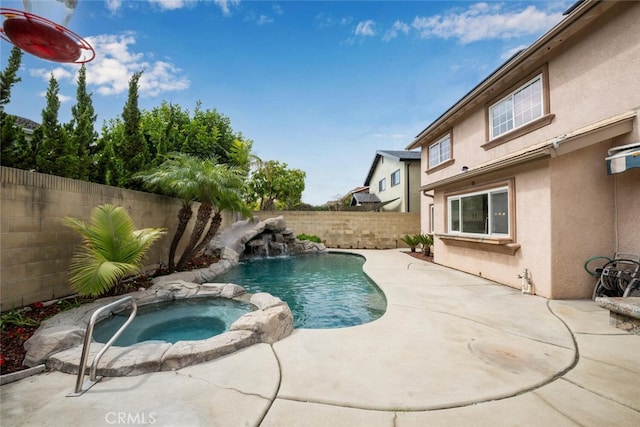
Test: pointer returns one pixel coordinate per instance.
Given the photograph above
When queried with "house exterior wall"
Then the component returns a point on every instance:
(385, 167)
(533, 230)
(415, 174)
(409, 185)
(626, 191)
(582, 218)
(567, 208)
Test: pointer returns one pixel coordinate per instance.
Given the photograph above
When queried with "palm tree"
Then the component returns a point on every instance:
(112, 249)
(220, 187)
(426, 240)
(240, 156)
(232, 200)
(216, 186)
(174, 177)
(411, 241)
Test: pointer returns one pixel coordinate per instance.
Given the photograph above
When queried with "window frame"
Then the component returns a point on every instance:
(441, 161)
(515, 132)
(397, 182)
(489, 188)
(432, 212)
(382, 185)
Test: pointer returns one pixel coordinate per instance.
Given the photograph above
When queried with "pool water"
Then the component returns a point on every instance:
(173, 321)
(323, 291)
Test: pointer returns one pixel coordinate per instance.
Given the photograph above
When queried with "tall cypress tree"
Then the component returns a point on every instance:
(108, 167)
(12, 136)
(54, 155)
(83, 134)
(133, 151)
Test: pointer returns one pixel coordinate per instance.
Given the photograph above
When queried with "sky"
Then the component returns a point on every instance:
(318, 85)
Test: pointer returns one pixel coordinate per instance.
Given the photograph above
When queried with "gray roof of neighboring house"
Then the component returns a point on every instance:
(26, 124)
(366, 198)
(399, 155)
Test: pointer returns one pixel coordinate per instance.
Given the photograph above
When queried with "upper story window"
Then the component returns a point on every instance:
(382, 184)
(440, 151)
(395, 178)
(518, 108)
(481, 213)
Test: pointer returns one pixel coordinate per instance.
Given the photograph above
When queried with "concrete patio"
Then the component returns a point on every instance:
(452, 349)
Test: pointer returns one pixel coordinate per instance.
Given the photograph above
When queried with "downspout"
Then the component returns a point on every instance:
(408, 188)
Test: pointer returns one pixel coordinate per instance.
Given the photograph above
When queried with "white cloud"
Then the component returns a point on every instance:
(161, 77)
(115, 62)
(264, 19)
(113, 5)
(483, 21)
(225, 5)
(61, 98)
(397, 27)
(365, 28)
(325, 20)
(59, 73)
(172, 4)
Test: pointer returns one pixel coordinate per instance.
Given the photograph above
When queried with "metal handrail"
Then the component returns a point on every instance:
(93, 379)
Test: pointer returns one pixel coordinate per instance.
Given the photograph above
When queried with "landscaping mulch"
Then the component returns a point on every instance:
(420, 255)
(19, 325)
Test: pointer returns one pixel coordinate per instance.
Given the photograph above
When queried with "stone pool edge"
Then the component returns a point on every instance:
(58, 342)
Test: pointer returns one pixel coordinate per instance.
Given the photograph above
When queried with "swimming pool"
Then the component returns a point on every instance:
(323, 291)
(173, 321)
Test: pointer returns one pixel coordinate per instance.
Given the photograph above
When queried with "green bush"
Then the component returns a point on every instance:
(311, 238)
(411, 241)
(16, 318)
(426, 240)
(111, 249)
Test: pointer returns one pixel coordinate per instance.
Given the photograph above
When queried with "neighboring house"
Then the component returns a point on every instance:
(516, 170)
(394, 177)
(28, 126)
(365, 200)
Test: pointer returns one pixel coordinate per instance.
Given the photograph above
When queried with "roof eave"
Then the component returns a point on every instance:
(536, 154)
(507, 68)
(559, 145)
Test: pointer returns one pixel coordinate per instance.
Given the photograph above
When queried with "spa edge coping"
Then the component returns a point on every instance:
(58, 342)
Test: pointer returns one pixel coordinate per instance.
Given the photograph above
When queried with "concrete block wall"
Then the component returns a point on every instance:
(364, 230)
(35, 248)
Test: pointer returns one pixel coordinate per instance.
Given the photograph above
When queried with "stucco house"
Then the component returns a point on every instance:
(394, 178)
(516, 176)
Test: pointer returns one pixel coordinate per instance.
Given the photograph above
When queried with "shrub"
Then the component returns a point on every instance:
(311, 238)
(112, 248)
(411, 241)
(426, 240)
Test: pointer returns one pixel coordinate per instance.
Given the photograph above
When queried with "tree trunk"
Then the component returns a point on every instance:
(214, 226)
(184, 216)
(202, 218)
